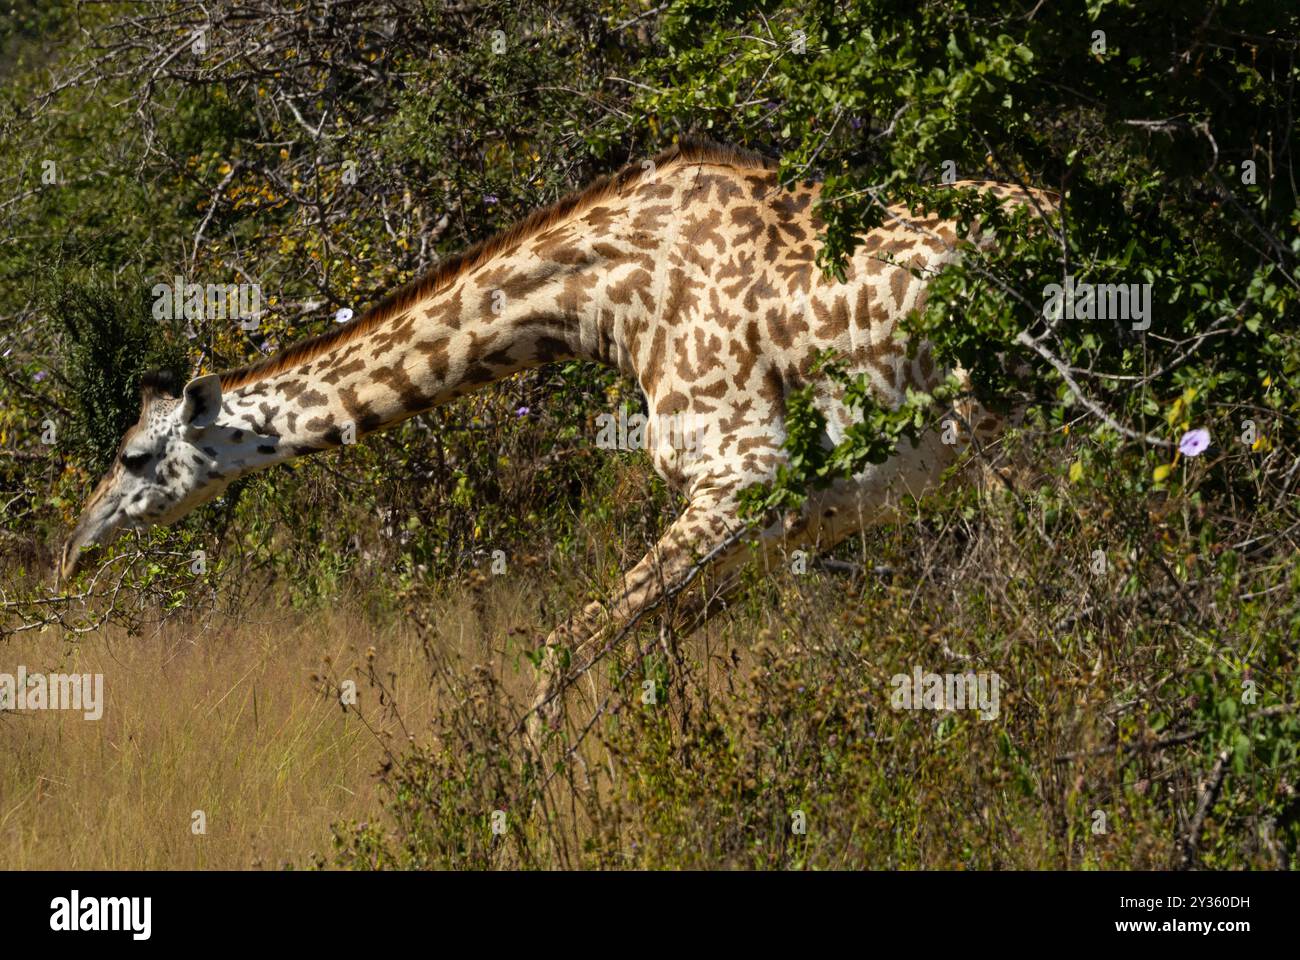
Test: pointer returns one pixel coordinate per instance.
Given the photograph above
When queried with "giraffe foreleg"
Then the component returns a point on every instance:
(707, 540)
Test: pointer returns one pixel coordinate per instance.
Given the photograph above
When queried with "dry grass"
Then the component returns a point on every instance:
(226, 720)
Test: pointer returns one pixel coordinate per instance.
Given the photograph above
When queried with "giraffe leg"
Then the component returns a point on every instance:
(705, 539)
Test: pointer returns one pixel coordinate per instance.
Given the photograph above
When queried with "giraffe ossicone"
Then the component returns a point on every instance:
(693, 274)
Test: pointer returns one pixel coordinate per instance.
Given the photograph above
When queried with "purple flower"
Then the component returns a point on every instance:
(39, 375)
(521, 412)
(344, 315)
(1194, 442)
(489, 198)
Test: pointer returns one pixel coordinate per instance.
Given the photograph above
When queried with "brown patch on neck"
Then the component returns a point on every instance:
(449, 269)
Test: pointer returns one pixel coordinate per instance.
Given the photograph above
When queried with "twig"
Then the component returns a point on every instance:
(1209, 793)
(1096, 410)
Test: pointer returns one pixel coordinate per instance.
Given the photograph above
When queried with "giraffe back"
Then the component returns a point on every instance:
(742, 309)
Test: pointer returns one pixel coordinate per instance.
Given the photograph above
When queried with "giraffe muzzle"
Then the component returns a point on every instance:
(98, 526)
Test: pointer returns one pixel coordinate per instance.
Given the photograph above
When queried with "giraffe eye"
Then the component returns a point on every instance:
(135, 461)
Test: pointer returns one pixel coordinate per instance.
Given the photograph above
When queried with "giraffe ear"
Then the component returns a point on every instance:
(201, 401)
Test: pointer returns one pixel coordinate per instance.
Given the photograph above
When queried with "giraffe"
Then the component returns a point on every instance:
(693, 274)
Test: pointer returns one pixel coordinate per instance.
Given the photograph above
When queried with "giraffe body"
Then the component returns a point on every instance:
(695, 275)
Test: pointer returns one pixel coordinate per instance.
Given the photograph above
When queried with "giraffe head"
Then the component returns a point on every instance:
(165, 466)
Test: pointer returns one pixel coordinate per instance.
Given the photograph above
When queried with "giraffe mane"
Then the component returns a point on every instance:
(450, 268)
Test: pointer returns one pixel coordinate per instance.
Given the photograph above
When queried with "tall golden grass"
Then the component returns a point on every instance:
(225, 720)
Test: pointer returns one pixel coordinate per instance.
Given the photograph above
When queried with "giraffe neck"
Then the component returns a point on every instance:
(567, 292)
